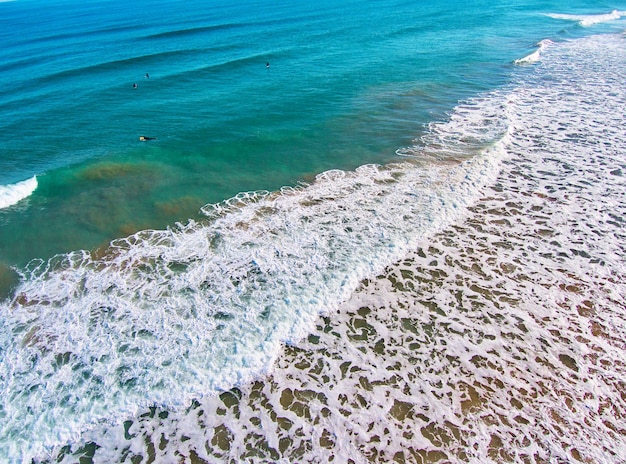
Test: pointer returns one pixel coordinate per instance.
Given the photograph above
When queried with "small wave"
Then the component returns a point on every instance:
(474, 126)
(589, 20)
(11, 194)
(116, 65)
(195, 31)
(536, 55)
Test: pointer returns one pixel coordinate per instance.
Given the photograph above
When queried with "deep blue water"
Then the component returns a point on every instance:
(348, 84)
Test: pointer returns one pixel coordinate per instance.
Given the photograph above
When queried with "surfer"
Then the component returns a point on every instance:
(267, 65)
(143, 138)
(135, 85)
(147, 76)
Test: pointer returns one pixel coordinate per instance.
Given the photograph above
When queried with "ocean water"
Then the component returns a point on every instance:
(401, 241)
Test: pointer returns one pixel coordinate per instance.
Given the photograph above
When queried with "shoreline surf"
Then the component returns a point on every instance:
(433, 302)
(483, 342)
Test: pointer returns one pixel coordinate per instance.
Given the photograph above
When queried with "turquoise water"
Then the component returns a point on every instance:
(348, 84)
(168, 283)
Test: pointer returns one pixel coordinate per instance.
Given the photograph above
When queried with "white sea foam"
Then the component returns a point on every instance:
(589, 20)
(536, 55)
(165, 316)
(13, 193)
(498, 340)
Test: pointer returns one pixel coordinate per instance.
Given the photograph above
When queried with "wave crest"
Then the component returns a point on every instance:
(536, 55)
(13, 193)
(589, 20)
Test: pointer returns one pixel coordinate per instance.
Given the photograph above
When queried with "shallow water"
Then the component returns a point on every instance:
(499, 339)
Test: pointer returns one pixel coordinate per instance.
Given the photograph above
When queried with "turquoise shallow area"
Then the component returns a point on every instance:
(348, 83)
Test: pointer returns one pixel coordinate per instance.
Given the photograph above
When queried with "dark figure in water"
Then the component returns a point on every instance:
(147, 76)
(143, 138)
(267, 65)
(134, 85)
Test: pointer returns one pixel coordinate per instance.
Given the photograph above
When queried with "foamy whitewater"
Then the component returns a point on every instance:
(13, 193)
(466, 303)
(90, 338)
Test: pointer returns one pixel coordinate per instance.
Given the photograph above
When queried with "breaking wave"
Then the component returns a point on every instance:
(589, 20)
(13, 193)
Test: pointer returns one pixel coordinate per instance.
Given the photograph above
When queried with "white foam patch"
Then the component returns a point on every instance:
(165, 316)
(536, 55)
(500, 339)
(14, 193)
(589, 20)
